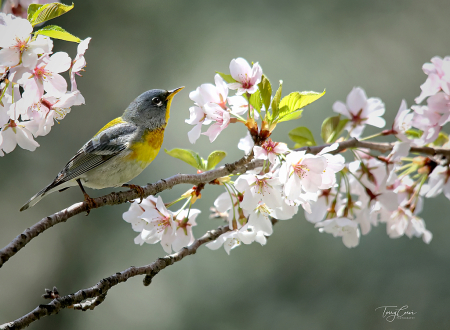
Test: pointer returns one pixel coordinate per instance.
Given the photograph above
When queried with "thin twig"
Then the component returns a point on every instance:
(99, 291)
(90, 304)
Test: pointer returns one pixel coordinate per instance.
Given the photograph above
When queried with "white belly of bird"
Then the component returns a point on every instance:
(113, 173)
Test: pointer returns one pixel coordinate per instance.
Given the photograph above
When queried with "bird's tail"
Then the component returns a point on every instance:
(36, 198)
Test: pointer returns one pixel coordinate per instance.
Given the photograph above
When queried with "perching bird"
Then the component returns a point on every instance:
(120, 150)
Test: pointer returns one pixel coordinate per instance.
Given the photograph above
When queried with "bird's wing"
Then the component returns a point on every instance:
(105, 145)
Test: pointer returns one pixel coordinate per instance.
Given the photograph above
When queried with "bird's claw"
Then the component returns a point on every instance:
(136, 188)
(90, 204)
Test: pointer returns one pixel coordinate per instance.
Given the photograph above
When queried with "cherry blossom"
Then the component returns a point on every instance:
(246, 143)
(239, 105)
(15, 133)
(371, 173)
(247, 78)
(438, 72)
(402, 122)
(398, 222)
(438, 182)
(416, 228)
(301, 171)
(259, 219)
(270, 150)
(134, 213)
(207, 94)
(17, 44)
(220, 117)
(229, 203)
(197, 118)
(323, 204)
(45, 76)
(440, 103)
(335, 163)
(259, 189)
(161, 226)
(428, 121)
(49, 109)
(78, 63)
(361, 111)
(341, 227)
(185, 220)
(235, 238)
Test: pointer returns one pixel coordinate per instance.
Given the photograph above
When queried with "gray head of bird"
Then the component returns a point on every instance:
(151, 109)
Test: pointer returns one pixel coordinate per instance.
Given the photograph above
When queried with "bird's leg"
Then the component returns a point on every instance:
(137, 189)
(87, 199)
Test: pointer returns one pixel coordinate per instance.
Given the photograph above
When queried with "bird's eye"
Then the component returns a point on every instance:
(157, 101)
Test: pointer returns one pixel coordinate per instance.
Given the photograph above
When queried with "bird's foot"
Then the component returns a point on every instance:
(87, 199)
(90, 203)
(137, 189)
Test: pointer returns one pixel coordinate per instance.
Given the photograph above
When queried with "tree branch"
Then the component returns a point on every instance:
(240, 166)
(99, 291)
(90, 305)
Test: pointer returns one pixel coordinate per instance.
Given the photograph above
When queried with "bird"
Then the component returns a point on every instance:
(119, 151)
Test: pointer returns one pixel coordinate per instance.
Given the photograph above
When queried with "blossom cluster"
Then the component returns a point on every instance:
(33, 93)
(345, 198)
(213, 105)
(156, 224)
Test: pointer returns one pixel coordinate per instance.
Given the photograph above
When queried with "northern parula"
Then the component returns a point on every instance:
(120, 150)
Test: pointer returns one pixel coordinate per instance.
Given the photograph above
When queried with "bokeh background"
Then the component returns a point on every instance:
(301, 279)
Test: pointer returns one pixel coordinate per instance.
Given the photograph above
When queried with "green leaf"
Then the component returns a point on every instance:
(48, 12)
(414, 133)
(299, 100)
(227, 77)
(441, 139)
(289, 108)
(332, 127)
(265, 89)
(328, 127)
(187, 156)
(302, 136)
(31, 10)
(276, 102)
(255, 101)
(57, 32)
(214, 158)
(289, 116)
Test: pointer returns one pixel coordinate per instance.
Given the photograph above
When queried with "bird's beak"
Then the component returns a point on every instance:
(173, 92)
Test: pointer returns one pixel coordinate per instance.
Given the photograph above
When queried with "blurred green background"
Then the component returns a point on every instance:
(301, 279)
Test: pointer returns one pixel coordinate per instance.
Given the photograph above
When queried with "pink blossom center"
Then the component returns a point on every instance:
(40, 72)
(21, 45)
(222, 103)
(246, 82)
(261, 185)
(300, 169)
(163, 223)
(269, 146)
(357, 119)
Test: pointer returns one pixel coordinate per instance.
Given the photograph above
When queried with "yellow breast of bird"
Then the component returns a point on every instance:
(147, 148)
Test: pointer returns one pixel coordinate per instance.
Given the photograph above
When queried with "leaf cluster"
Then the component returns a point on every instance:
(38, 14)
